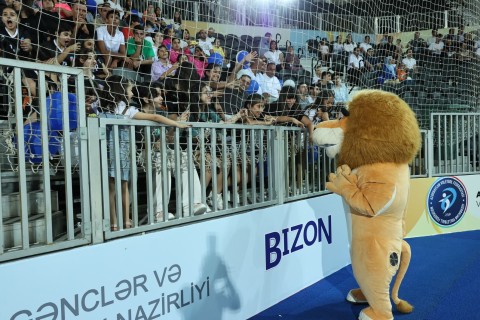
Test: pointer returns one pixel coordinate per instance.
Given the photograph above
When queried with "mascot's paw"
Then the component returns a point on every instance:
(363, 316)
(341, 179)
(404, 307)
(356, 296)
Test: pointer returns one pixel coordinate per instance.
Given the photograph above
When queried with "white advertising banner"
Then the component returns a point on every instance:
(227, 268)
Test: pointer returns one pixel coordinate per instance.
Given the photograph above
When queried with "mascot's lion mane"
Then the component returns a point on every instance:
(396, 139)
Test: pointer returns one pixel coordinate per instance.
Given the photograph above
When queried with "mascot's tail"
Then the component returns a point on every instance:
(402, 305)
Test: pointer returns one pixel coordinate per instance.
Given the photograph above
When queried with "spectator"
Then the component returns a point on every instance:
(372, 62)
(16, 40)
(349, 45)
(203, 110)
(177, 20)
(140, 51)
(383, 40)
(103, 9)
(149, 97)
(211, 35)
(340, 91)
(292, 61)
(399, 49)
(319, 110)
(264, 45)
(150, 18)
(356, 67)
(199, 61)
(402, 74)
(157, 41)
(275, 56)
(185, 41)
(433, 39)
(270, 84)
(389, 72)
(217, 48)
(365, 45)
(337, 47)
(324, 51)
(169, 34)
(162, 67)
(127, 31)
(203, 42)
(387, 49)
(410, 62)
(176, 51)
(48, 21)
(417, 44)
(118, 94)
(63, 9)
(303, 98)
(436, 48)
(129, 11)
(325, 82)
(81, 30)
(111, 42)
(61, 50)
(318, 74)
(116, 6)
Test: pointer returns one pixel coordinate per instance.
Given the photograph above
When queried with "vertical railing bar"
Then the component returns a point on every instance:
(21, 158)
(47, 206)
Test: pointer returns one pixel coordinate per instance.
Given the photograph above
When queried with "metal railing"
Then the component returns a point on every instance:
(57, 183)
(455, 147)
(38, 199)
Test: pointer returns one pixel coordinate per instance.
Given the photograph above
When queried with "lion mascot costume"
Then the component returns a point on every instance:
(375, 145)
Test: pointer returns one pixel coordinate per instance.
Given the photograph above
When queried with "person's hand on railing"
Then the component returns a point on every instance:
(184, 116)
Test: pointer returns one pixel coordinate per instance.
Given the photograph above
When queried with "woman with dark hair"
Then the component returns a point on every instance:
(162, 68)
(276, 56)
(203, 109)
(116, 97)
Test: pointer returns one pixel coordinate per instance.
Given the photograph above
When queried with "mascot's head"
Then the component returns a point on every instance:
(381, 128)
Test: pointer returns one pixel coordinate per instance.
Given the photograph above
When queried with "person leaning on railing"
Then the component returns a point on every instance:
(116, 99)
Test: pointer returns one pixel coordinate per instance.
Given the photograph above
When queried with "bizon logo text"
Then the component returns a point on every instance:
(289, 240)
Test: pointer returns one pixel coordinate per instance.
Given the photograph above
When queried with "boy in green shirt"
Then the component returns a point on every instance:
(140, 51)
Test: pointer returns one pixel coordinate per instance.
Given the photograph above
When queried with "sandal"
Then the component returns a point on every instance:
(128, 224)
(113, 227)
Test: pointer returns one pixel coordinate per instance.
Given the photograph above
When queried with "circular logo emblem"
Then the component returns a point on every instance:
(447, 201)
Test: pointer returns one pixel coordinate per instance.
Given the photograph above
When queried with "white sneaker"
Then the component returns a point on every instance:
(219, 199)
(199, 208)
(159, 216)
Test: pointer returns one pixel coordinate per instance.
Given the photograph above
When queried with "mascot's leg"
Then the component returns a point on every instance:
(356, 296)
(402, 305)
(373, 269)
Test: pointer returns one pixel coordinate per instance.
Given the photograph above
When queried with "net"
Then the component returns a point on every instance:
(204, 58)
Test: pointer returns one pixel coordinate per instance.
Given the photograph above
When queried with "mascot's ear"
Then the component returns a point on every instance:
(329, 135)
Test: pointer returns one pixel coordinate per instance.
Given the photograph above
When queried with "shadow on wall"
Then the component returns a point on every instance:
(220, 291)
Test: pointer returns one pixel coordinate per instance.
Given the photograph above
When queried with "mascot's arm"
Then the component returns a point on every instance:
(369, 198)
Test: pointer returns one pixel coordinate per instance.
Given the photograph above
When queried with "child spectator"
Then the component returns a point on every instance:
(203, 110)
(111, 42)
(140, 51)
(118, 95)
(149, 97)
(162, 67)
(200, 61)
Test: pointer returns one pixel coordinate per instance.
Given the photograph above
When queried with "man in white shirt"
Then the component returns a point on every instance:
(436, 48)
(211, 35)
(203, 42)
(433, 38)
(365, 45)
(270, 84)
(355, 67)
(409, 61)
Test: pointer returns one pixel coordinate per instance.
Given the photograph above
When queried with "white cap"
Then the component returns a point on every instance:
(242, 73)
(289, 82)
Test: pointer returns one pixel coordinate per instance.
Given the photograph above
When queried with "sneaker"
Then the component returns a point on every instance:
(199, 208)
(159, 216)
(219, 199)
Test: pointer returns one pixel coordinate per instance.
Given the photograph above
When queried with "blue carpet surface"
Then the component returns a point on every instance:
(442, 282)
